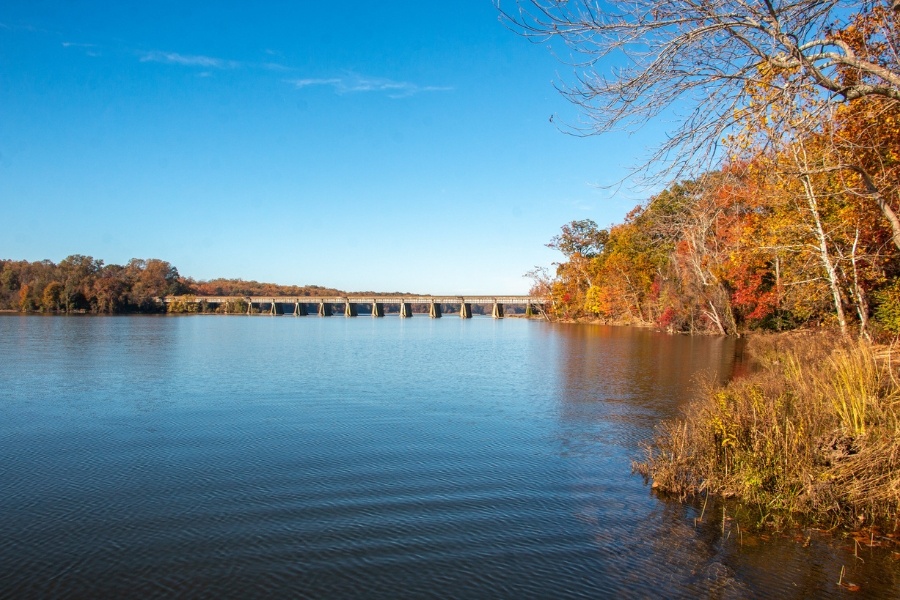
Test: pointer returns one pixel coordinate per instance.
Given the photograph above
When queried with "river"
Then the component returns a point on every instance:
(306, 457)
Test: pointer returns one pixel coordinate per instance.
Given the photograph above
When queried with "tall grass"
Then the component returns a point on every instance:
(812, 434)
(854, 387)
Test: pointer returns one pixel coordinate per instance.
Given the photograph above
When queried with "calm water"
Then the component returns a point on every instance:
(236, 457)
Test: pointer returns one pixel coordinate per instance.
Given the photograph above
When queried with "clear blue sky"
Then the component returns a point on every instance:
(390, 146)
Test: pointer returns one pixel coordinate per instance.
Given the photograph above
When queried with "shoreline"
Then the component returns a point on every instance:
(809, 434)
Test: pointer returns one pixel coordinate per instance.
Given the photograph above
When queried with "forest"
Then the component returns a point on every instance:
(83, 284)
(796, 224)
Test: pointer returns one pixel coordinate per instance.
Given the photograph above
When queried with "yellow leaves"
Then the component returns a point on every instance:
(723, 419)
(728, 440)
(597, 300)
(748, 236)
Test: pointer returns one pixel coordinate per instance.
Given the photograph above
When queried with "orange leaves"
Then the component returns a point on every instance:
(25, 301)
(798, 230)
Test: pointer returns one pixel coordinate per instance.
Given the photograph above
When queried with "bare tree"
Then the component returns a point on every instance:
(696, 59)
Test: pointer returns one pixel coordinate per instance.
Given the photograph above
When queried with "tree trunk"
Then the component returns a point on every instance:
(714, 317)
(862, 304)
(886, 209)
(831, 272)
(824, 254)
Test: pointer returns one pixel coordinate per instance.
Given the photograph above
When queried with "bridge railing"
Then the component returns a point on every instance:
(354, 299)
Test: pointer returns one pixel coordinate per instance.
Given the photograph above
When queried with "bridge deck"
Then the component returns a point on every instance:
(361, 299)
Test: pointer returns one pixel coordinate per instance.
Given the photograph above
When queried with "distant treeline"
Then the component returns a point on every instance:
(85, 284)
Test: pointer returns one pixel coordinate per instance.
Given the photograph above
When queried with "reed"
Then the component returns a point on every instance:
(812, 434)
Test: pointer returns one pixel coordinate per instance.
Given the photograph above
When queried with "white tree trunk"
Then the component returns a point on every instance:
(822, 239)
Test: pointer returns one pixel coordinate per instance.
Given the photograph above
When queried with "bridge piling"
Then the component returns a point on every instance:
(349, 304)
(497, 313)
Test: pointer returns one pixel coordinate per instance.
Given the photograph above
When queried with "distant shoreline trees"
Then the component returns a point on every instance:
(81, 283)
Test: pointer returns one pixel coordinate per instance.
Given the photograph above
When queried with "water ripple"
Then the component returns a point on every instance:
(176, 458)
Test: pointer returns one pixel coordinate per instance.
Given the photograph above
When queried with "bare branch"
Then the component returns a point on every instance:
(698, 59)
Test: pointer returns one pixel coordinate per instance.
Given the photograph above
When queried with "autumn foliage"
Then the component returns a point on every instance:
(83, 284)
(798, 226)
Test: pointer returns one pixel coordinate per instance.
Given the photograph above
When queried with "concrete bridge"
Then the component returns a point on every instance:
(325, 305)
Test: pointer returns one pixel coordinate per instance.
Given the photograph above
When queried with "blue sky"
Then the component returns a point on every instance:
(389, 146)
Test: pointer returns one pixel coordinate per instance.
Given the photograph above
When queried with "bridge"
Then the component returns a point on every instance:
(351, 304)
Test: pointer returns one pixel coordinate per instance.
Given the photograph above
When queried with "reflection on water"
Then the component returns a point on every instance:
(305, 457)
(632, 377)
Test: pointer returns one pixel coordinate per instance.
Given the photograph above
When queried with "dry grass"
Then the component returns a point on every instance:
(813, 434)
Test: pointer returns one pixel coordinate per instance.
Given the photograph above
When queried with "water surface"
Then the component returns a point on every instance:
(236, 457)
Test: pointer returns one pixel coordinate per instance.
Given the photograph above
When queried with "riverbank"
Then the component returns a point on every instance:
(602, 321)
(811, 435)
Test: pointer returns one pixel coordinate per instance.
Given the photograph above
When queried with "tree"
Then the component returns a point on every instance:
(108, 294)
(580, 237)
(865, 153)
(623, 274)
(51, 297)
(78, 273)
(834, 169)
(707, 228)
(26, 302)
(581, 242)
(152, 279)
(540, 282)
(9, 278)
(695, 59)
